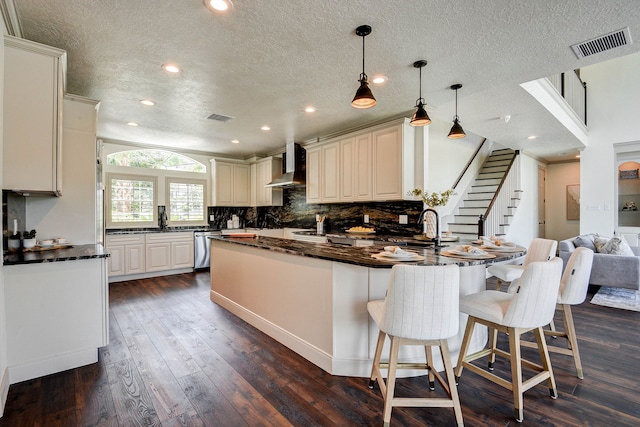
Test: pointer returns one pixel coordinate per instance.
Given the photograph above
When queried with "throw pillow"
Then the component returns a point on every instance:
(599, 242)
(586, 241)
(617, 246)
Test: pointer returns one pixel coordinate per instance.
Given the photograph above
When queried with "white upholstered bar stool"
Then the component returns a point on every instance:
(421, 308)
(529, 308)
(538, 250)
(573, 291)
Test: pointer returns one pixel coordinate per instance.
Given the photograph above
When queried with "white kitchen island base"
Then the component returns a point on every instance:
(316, 307)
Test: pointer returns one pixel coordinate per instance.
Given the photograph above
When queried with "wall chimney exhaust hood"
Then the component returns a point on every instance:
(295, 171)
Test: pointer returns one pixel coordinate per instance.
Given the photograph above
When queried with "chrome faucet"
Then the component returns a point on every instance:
(421, 220)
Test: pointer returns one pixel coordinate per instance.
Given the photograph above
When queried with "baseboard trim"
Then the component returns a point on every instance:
(39, 368)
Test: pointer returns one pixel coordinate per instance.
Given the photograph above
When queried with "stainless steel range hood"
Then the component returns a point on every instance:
(295, 171)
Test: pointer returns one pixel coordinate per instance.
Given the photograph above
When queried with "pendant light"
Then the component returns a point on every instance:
(420, 117)
(456, 130)
(364, 98)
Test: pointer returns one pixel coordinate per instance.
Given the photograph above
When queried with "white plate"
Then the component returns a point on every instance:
(501, 248)
(380, 256)
(468, 254)
(400, 255)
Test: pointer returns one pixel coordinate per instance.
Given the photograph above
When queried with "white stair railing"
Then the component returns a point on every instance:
(495, 222)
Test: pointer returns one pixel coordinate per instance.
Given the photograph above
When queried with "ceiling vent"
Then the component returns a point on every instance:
(603, 43)
(220, 117)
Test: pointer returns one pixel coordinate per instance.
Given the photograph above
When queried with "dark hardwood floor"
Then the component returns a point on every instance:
(177, 359)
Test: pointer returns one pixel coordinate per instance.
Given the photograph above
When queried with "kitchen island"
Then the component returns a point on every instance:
(312, 297)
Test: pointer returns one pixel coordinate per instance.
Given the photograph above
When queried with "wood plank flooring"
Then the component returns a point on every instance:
(177, 359)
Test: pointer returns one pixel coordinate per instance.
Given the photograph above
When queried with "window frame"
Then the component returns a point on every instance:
(172, 179)
(109, 223)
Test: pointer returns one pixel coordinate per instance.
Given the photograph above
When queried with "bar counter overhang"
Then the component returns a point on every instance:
(313, 297)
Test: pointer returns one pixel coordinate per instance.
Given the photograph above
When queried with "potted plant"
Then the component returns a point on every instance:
(13, 243)
(29, 239)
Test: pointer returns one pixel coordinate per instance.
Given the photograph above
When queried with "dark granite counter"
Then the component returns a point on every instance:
(361, 256)
(73, 253)
(158, 230)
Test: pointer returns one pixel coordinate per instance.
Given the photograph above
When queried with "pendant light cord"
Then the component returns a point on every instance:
(363, 76)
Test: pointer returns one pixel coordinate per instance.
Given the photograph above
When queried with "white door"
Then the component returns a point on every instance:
(541, 201)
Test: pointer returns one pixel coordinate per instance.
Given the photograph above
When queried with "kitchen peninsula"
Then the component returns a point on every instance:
(312, 297)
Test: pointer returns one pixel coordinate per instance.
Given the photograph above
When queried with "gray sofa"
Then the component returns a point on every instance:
(621, 271)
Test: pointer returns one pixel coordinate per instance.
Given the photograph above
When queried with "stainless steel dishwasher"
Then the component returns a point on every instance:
(202, 248)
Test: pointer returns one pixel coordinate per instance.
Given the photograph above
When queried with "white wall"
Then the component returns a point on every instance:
(558, 177)
(524, 227)
(4, 376)
(613, 90)
(73, 215)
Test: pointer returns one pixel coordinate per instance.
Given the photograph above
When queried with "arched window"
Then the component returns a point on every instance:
(155, 159)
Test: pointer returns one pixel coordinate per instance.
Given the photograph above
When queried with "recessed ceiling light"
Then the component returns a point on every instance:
(147, 102)
(235, 141)
(310, 109)
(379, 80)
(265, 127)
(218, 5)
(171, 68)
(134, 124)
(532, 137)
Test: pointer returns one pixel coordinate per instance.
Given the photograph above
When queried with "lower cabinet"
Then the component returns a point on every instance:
(149, 253)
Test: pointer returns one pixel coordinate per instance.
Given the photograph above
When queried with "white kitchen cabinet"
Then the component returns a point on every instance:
(231, 183)
(266, 170)
(169, 251)
(314, 176)
(127, 254)
(393, 161)
(57, 316)
(34, 85)
(374, 165)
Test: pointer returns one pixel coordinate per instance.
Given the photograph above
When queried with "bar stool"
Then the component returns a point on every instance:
(573, 291)
(538, 250)
(421, 308)
(529, 308)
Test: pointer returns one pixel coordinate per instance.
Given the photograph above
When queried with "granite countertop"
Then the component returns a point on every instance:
(158, 230)
(361, 256)
(73, 253)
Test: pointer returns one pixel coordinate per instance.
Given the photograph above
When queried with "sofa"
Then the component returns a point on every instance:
(615, 263)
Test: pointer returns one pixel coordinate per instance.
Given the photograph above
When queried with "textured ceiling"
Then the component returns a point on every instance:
(266, 60)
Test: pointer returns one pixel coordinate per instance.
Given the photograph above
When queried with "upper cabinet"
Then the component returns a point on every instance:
(231, 183)
(34, 84)
(266, 170)
(373, 165)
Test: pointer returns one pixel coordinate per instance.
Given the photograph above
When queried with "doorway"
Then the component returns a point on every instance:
(542, 177)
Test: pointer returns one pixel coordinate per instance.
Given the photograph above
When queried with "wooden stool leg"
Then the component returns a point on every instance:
(493, 342)
(429, 356)
(570, 330)
(546, 361)
(464, 346)
(516, 373)
(375, 369)
(453, 390)
(391, 380)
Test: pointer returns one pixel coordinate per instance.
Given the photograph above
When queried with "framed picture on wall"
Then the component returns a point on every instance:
(573, 202)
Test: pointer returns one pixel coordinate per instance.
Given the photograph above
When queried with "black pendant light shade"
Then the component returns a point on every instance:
(364, 98)
(456, 130)
(420, 117)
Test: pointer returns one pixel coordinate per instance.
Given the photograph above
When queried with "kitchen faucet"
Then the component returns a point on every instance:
(421, 220)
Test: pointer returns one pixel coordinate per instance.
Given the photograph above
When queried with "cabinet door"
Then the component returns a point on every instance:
(331, 173)
(363, 178)
(135, 259)
(263, 170)
(313, 174)
(182, 254)
(223, 184)
(347, 169)
(32, 117)
(158, 256)
(241, 185)
(116, 261)
(387, 163)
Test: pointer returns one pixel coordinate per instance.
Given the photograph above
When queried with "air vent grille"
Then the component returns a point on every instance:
(220, 117)
(603, 43)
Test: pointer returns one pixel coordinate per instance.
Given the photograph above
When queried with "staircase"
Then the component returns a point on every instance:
(478, 199)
